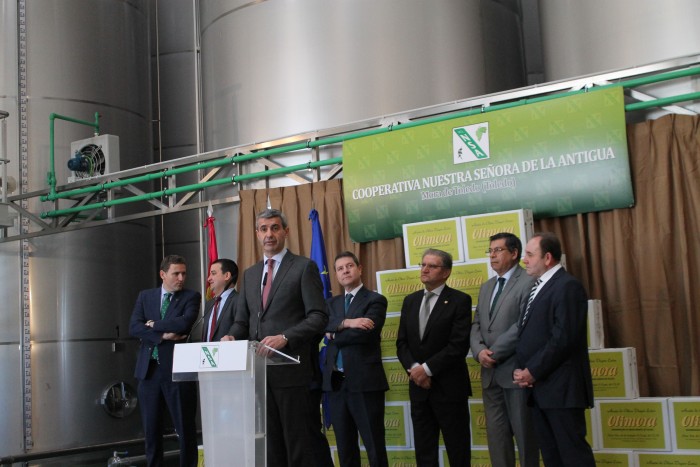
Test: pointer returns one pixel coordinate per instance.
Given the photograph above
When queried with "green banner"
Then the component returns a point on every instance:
(557, 157)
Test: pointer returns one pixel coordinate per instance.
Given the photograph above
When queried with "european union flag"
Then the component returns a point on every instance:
(318, 252)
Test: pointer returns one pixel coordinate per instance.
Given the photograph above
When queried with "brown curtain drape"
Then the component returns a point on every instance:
(641, 262)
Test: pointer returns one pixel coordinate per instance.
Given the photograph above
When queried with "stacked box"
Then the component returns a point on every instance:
(390, 331)
(640, 424)
(613, 458)
(397, 425)
(395, 284)
(474, 376)
(477, 419)
(398, 381)
(614, 373)
(480, 457)
(596, 335)
(477, 229)
(685, 423)
(443, 234)
(646, 459)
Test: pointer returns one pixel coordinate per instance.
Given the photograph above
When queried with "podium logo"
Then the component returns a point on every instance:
(471, 143)
(209, 356)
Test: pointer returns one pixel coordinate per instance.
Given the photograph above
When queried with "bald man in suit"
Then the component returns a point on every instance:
(281, 304)
(552, 353)
(494, 335)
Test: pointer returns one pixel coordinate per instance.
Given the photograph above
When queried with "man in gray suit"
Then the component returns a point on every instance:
(281, 305)
(494, 337)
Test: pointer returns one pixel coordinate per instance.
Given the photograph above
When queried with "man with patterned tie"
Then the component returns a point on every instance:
(353, 374)
(281, 305)
(494, 335)
(162, 317)
(219, 311)
(552, 353)
(432, 345)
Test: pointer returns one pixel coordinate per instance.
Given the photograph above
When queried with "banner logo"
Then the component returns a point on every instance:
(470, 143)
(209, 356)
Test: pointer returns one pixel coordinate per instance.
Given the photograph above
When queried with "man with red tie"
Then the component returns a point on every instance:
(220, 310)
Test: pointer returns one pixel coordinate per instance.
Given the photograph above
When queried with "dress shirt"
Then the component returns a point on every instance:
(545, 277)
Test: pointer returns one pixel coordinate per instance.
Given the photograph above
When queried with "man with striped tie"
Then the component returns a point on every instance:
(552, 354)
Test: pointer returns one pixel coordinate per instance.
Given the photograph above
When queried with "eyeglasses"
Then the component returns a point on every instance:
(273, 228)
(498, 249)
(430, 266)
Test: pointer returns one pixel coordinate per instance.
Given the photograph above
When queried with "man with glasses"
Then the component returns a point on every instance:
(432, 345)
(494, 335)
(281, 305)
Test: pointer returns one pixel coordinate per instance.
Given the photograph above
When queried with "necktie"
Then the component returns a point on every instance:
(267, 286)
(214, 317)
(339, 360)
(501, 282)
(424, 313)
(163, 308)
(530, 299)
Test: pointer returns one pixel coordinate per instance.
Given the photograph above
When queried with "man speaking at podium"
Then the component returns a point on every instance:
(281, 305)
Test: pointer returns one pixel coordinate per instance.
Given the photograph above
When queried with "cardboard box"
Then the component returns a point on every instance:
(613, 458)
(477, 229)
(596, 334)
(398, 381)
(639, 424)
(443, 234)
(395, 284)
(397, 425)
(645, 459)
(614, 373)
(685, 422)
(389, 333)
(474, 377)
(477, 419)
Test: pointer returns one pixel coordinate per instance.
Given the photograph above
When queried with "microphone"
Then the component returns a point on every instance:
(196, 323)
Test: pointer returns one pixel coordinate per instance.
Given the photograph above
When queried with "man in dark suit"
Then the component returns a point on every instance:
(552, 356)
(162, 317)
(281, 304)
(353, 374)
(494, 335)
(223, 274)
(432, 346)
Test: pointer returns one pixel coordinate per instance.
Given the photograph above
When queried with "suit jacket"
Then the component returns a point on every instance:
(553, 345)
(179, 318)
(295, 308)
(500, 332)
(200, 332)
(444, 345)
(362, 353)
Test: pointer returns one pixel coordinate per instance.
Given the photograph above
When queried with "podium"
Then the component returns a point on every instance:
(232, 393)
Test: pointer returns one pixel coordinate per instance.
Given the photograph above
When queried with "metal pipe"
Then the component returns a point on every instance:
(662, 102)
(51, 175)
(361, 134)
(188, 188)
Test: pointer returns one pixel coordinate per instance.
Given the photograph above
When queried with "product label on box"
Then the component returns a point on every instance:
(669, 460)
(633, 425)
(390, 331)
(398, 382)
(445, 235)
(611, 459)
(478, 229)
(686, 420)
(608, 372)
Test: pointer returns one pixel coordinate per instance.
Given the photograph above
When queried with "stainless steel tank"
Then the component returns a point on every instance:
(73, 59)
(585, 37)
(272, 69)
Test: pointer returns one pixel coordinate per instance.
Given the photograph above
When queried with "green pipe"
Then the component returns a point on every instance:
(663, 101)
(361, 134)
(661, 77)
(186, 188)
(51, 175)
